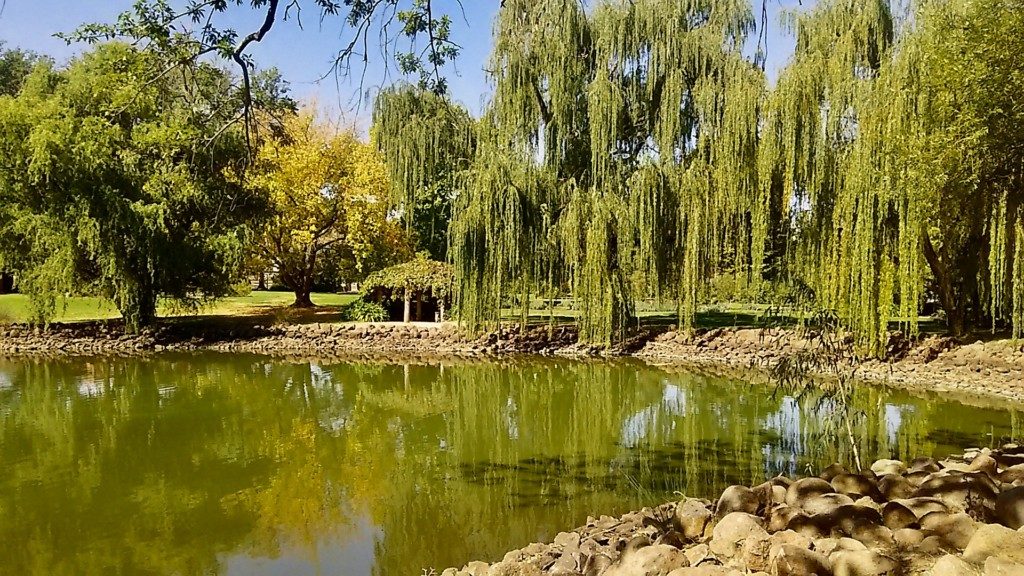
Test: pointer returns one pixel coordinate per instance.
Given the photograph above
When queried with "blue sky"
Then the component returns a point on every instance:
(304, 55)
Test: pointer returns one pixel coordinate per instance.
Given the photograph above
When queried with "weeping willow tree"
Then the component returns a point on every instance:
(631, 151)
(894, 147)
(811, 127)
(427, 142)
(617, 159)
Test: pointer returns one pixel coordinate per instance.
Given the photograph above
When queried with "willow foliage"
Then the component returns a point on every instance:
(617, 158)
(895, 143)
(427, 143)
(117, 186)
(632, 151)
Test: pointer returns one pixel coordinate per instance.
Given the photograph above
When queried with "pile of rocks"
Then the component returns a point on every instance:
(74, 339)
(93, 338)
(952, 518)
(393, 337)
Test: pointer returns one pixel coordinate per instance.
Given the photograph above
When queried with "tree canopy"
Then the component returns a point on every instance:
(187, 35)
(898, 146)
(427, 143)
(327, 191)
(15, 66)
(634, 150)
(114, 183)
(616, 158)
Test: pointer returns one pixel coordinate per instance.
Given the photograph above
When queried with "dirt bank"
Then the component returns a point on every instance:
(993, 369)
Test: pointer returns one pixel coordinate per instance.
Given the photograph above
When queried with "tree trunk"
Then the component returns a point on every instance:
(956, 319)
(138, 311)
(419, 307)
(408, 308)
(262, 285)
(302, 281)
(301, 284)
(147, 310)
(302, 299)
(6, 283)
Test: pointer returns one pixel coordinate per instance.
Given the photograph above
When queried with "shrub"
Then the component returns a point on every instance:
(363, 311)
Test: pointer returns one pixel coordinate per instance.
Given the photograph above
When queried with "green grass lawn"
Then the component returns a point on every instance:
(16, 308)
(274, 308)
(720, 315)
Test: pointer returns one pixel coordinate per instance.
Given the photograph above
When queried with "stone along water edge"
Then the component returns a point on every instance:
(963, 516)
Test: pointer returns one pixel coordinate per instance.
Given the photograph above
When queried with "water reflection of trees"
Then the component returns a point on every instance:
(180, 463)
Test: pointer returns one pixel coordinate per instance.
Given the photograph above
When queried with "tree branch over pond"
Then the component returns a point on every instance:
(185, 35)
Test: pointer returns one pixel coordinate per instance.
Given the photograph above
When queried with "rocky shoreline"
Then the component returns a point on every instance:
(958, 517)
(991, 369)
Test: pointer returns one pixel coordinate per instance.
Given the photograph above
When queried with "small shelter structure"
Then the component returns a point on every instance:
(418, 290)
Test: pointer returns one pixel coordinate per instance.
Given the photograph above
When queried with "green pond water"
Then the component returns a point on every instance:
(238, 464)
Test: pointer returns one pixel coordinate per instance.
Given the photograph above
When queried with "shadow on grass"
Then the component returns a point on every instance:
(740, 317)
(261, 316)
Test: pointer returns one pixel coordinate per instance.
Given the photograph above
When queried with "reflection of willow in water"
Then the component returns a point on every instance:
(181, 464)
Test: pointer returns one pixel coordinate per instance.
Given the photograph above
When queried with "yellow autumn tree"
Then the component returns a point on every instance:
(328, 191)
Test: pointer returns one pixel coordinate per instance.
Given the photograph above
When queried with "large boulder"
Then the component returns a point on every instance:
(950, 565)
(874, 536)
(825, 503)
(805, 489)
(1010, 507)
(861, 563)
(895, 486)
(770, 493)
(984, 463)
(697, 554)
(998, 567)
(691, 518)
(995, 541)
(955, 530)
(792, 560)
(926, 464)
(896, 516)
(855, 484)
(907, 538)
(571, 559)
(514, 569)
(780, 516)
(1012, 474)
(851, 517)
(788, 537)
(828, 474)
(812, 527)
(476, 568)
(755, 552)
(885, 467)
(922, 506)
(655, 560)
(732, 531)
(960, 492)
(829, 546)
(737, 499)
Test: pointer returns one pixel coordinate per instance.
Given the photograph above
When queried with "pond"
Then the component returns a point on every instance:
(238, 464)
